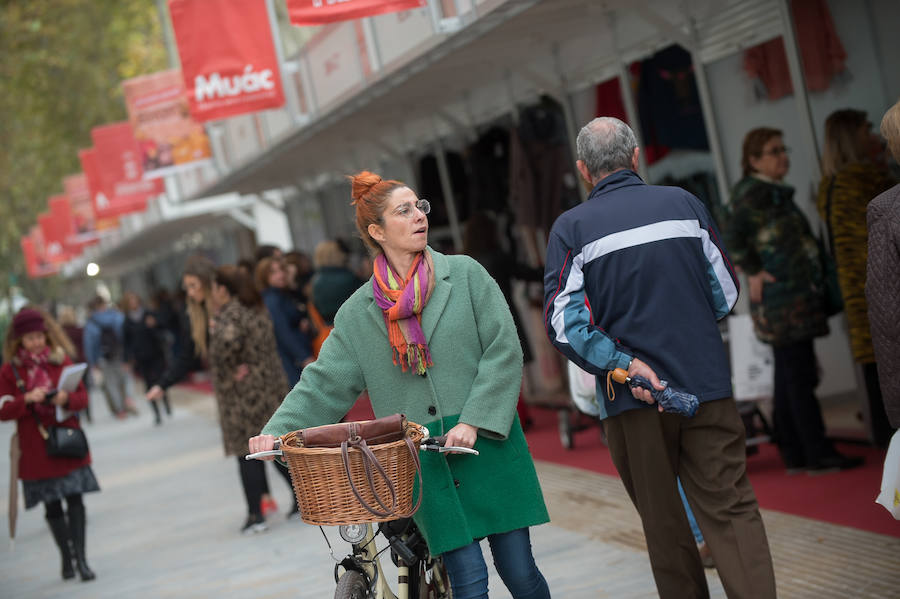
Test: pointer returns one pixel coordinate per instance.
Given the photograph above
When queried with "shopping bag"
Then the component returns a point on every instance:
(890, 480)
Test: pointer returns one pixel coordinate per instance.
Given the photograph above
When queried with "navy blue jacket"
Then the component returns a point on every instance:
(640, 271)
(293, 345)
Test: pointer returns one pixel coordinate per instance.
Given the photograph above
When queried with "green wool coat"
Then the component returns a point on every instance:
(475, 379)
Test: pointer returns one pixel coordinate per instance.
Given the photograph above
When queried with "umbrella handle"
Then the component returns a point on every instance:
(620, 375)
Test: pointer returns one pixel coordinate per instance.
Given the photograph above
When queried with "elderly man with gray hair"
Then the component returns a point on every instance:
(636, 278)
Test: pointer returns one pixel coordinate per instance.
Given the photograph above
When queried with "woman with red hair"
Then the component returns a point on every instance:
(431, 336)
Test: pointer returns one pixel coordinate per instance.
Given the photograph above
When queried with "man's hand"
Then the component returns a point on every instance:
(757, 282)
(641, 368)
(462, 435)
(262, 443)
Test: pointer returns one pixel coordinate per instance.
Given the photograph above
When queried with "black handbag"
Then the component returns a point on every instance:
(61, 441)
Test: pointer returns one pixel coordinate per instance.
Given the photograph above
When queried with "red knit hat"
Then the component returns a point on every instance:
(28, 321)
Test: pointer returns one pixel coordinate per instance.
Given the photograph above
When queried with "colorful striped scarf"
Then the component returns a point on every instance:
(402, 301)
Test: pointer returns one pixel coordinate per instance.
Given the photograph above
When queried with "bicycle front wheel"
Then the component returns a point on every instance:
(351, 585)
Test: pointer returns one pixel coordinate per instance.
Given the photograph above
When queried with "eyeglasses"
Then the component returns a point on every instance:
(406, 210)
(777, 151)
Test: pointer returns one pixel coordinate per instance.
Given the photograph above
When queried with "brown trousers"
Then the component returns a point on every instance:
(708, 453)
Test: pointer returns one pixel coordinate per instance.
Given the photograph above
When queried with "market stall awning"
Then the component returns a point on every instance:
(515, 50)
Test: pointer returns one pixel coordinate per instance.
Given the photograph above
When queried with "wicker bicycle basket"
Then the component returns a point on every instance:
(323, 492)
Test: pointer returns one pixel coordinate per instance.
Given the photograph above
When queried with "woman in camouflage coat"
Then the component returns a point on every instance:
(771, 241)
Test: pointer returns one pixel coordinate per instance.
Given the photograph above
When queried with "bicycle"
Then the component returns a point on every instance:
(360, 575)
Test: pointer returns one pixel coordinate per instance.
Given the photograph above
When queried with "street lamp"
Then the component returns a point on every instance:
(92, 269)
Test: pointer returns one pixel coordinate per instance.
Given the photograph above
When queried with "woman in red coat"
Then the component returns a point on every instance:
(34, 355)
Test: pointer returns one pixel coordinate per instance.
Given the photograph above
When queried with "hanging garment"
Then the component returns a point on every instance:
(609, 103)
(668, 101)
(822, 53)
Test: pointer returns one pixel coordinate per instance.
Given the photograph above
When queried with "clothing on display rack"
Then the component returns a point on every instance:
(669, 103)
(821, 50)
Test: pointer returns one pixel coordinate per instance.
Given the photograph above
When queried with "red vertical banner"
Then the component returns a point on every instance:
(320, 12)
(79, 194)
(118, 172)
(168, 138)
(29, 252)
(228, 57)
(54, 237)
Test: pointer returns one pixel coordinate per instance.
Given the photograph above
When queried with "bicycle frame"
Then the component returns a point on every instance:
(365, 559)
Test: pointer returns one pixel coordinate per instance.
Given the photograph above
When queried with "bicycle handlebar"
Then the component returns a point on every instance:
(426, 444)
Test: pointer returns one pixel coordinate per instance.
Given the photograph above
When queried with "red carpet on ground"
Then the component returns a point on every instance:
(846, 498)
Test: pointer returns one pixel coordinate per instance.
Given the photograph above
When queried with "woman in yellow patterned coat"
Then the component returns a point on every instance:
(850, 180)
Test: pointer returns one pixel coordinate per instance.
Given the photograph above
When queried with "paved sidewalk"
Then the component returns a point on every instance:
(166, 525)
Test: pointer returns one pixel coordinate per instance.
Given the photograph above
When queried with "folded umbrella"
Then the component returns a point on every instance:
(14, 453)
(671, 400)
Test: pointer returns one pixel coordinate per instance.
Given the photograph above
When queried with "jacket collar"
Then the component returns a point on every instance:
(617, 180)
(436, 303)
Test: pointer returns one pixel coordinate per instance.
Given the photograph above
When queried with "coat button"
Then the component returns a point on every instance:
(432, 410)
(456, 483)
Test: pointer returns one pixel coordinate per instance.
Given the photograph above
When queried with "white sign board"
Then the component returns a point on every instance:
(334, 62)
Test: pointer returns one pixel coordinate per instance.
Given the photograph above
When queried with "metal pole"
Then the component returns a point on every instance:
(568, 113)
(447, 189)
(709, 115)
(795, 65)
(633, 115)
(168, 37)
(293, 105)
(627, 93)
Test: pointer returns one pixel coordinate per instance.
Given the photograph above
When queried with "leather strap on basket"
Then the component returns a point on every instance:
(369, 462)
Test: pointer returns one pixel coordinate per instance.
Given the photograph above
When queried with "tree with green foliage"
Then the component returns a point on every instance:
(61, 65)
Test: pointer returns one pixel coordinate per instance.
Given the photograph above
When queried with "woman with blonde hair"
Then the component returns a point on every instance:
(34, 355)
(196, 279)
(850, 179)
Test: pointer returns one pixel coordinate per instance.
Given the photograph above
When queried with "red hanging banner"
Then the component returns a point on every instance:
(168, 138)
(79, 194)
(32, 262)
(121, 187)
(228, 58)
(54, 236)
(320, 12)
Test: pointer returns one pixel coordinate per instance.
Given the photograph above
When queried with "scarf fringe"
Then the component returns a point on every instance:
(412, 357)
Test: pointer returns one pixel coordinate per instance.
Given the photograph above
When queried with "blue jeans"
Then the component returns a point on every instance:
(513, 560)
(695, 529)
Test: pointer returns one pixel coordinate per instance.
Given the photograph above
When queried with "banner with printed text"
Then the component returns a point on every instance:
(36, 265)
(228, 58)
(116, 167)
(53, 235)
(167, 137)
(320, 12)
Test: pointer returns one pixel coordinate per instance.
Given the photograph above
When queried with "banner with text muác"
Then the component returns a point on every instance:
(228, 57)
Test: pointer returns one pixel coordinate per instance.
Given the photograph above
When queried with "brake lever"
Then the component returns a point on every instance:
(275, 451)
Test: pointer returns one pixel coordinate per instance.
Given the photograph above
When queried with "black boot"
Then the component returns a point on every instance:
(76, 528)
(166, 403)
(157, 420)
(61, 536)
